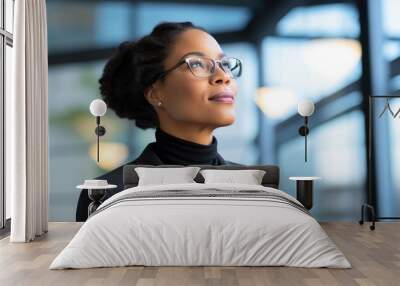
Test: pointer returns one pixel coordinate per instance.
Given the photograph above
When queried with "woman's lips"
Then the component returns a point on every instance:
(224, 97)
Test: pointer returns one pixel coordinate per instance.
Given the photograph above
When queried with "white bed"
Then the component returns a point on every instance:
(252, 225)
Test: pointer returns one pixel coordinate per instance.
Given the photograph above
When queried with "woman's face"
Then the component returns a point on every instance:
(184, 96)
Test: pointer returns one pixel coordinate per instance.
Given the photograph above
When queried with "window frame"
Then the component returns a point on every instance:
(6, 39)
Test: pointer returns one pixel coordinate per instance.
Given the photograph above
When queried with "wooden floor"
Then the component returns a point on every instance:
(374, 255)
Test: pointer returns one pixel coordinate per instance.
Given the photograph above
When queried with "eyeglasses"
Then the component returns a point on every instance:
(204, 67)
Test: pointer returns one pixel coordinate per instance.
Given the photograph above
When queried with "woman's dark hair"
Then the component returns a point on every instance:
(135, 66)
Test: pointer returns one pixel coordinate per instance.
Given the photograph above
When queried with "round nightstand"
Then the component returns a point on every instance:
(304, 190)
(96, 191)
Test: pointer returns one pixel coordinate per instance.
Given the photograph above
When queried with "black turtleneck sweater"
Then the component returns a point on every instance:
(173, 150)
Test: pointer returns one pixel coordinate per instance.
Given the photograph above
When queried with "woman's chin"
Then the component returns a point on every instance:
(225, 120)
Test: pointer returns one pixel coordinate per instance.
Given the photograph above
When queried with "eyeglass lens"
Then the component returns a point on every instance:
(203, 67)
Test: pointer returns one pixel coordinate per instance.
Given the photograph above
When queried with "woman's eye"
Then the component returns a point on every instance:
(197, 64)
(226, 65)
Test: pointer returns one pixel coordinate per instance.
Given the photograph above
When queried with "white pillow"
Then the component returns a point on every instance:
(250, 177)
(162, 176)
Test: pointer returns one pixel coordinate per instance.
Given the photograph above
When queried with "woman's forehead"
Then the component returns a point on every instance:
(202, 54)
(195, 42)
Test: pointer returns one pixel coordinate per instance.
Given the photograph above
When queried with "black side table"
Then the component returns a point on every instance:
(96, 195)
(96, 191)
(304, 190)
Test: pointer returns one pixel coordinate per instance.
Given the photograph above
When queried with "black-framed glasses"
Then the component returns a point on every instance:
(204, 67)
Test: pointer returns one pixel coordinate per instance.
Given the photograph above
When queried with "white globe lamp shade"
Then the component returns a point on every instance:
(98, 107)
(305, 107)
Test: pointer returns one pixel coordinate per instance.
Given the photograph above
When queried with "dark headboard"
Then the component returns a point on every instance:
(270, 179)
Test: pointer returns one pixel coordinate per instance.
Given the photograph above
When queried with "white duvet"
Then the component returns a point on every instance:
(200, 231)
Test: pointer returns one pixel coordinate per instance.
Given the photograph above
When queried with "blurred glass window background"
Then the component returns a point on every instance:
(313, 55)
(329, 20)
(316, 55)
(214, 18)
(75, 25)
(391, 10)
(87, 24)
(389, 198)
(303, 68)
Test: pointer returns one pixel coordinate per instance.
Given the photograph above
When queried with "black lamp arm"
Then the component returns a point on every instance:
(303, 131)
(100, 131)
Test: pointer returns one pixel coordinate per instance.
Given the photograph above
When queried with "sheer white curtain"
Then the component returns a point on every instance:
(27, 124)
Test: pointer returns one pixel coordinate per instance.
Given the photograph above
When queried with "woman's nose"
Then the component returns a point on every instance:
(220, 76)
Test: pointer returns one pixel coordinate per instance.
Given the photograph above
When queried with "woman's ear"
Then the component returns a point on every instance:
(148, 94)
(151, 96)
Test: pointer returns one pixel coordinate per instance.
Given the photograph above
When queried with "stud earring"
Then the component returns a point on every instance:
(159, 103)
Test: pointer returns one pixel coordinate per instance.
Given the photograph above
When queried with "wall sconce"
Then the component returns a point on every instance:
(305, 108)
(98, 108)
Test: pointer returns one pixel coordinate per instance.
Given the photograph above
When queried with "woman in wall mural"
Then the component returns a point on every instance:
(178, 81)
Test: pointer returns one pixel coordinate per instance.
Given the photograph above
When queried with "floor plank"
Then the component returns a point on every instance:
(374, 255)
